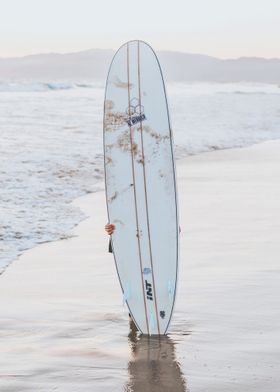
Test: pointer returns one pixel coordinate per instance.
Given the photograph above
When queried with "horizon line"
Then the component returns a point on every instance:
(157, 50)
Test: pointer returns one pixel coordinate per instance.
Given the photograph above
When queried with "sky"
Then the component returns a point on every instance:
(220, 28)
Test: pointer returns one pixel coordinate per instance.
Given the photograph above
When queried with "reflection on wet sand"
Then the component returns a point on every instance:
(153, 366)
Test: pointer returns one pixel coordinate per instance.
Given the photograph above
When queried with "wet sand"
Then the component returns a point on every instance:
(63, 326)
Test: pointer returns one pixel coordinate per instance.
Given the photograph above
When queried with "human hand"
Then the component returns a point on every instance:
(110, 228)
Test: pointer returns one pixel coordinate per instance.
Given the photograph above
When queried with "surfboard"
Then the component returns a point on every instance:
(140, 183)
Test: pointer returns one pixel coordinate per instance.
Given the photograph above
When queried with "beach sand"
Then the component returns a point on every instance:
(63, 326)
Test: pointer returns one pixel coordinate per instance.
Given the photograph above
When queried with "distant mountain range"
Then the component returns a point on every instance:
(94, 63)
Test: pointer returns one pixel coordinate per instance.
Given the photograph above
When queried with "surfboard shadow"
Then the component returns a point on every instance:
(153, 366)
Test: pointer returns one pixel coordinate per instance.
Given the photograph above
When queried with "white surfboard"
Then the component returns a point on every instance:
(141, 186)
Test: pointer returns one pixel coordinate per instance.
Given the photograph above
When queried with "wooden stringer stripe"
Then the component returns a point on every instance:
(146, 198)
(135, 200)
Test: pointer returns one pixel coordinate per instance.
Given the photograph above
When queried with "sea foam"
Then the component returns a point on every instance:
(51, 146)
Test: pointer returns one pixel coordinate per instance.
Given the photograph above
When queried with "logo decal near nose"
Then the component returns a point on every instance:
(135, 112)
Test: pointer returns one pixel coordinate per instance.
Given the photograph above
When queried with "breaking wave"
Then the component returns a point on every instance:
(40, 87)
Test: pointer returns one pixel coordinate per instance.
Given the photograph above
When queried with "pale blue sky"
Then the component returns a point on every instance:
(220, 28)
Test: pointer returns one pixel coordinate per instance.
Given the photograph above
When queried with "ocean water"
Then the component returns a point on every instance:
(51, 146)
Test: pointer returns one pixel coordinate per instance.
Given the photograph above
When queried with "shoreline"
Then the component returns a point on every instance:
(63, 325)
(76, 201)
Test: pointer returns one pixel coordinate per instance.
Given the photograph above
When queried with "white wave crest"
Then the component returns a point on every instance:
(41, 87)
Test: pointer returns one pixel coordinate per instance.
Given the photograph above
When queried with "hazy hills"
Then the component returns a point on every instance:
(94, 63)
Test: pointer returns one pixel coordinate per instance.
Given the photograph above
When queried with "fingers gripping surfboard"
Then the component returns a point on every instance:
(141, 186)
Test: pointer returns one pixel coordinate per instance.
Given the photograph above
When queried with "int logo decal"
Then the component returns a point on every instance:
(135, 112)
(149, 290)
